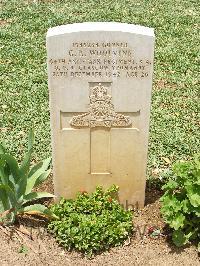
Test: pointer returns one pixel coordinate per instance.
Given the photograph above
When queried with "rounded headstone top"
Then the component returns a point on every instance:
(100, 26)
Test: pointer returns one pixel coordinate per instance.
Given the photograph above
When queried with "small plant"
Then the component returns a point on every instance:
(17, 182)
(91, 223)
(181, 202)
(23, 249)
(154, 232)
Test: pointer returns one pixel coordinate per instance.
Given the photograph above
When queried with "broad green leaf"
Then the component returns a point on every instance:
(166, 211)
(44, 165)
(13, 165)
(195, 200)
(179, 238)
(186, 205)
(30, 139)
(177, 221)
(37, 195)
(35, 168)
(4, 176)
(171, 185)
(42, 177)
(170, 201)
(182, 169)
(37, 209)
(193, 192)
(31, 182)
(4, 200)
(21, 187)
(25, 165)
(10, 194)
(11, 182)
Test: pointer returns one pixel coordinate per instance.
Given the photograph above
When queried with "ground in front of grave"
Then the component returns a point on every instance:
(142, 249)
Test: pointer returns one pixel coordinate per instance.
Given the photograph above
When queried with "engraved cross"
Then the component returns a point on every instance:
(100, 118)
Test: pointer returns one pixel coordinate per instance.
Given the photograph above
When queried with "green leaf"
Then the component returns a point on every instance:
(13, 165)
(186, 206)
(37, 195)
(30, 139)
(4, 200)
(34, 169)
(25, 165)
(182, 170)
(37, 209)
(31, 182)
(171, 185)
(194, 194)
(11, 195)
(21, 187)
(4, 175)
(42, 177)
(195, 200)
(179, 238)
(171, 202)
(44, 165)
(177, 221)
(11, 182)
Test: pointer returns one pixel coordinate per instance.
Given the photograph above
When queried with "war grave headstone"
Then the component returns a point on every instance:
(100, 79)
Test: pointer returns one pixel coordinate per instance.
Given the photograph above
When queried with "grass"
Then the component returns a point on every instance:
(174, 129)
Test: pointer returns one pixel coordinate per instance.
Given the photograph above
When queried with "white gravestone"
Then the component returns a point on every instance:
(100, 79)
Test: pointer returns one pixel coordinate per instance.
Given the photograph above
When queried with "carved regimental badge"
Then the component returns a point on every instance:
(101, 112)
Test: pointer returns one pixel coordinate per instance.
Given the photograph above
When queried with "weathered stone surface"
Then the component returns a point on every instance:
(100, 79)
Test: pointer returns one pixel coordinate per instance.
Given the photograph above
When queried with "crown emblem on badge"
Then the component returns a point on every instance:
(101, 112)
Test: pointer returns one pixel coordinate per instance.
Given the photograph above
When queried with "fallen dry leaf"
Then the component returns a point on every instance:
(167, 160)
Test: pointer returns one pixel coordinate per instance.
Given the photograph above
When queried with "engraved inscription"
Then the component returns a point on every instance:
(100, 60)
(101, 112)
